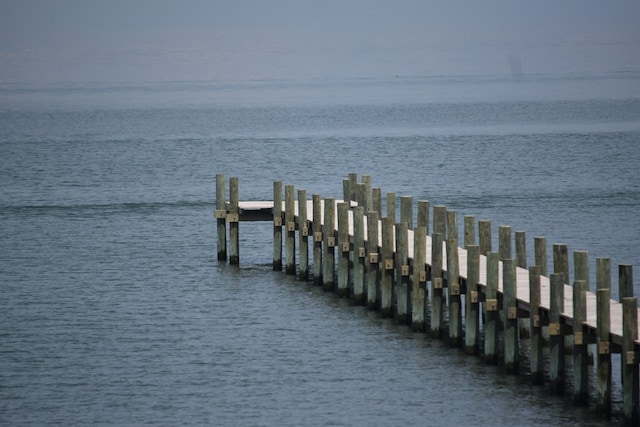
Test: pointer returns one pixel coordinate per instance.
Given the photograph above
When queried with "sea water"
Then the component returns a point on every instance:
(115, 310)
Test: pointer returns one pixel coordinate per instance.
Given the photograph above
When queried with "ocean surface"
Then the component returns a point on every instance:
(115, 310)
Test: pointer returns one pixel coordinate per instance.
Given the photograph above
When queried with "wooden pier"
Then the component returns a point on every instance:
(422, 277)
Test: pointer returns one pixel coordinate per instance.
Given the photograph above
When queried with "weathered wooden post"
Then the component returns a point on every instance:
(472, 324)
(455, 301)
(423, 215)
(556, 339)
(484, 236)
(603, 296)
(521, 249)
(419, 279)
(452, 225)
(359, 255)
(504, 242)
(440, 221)
(221, 216)
(289, 218)
(581, 267)
(437, 315)
(352, 185)
(386, 286)
(345, 249)
(536, 359)
(402, 273)
(329, 244)
(510, 313)
(625, 289)
(233, 218)
(630, 391)
(406, 211)
(491, 325)
(469, 230)
(277, 226)
(561, 261)
(303, 234)
(317, 239)
(540, 249)
(373, 253)
(391, 206)
(580, 360)
(376, 195)
(366, 200)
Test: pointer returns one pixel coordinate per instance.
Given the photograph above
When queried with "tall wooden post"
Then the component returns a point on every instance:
(540, 249)
(484, 236)
(376, 200)
(289, 213)
(580, 360)
(221, 217)
(419, 279)
(386, 286)
(373, 253)
(455, 301)
(329, 244)
(423, 215)
(234, 220)
(277, 226)
(440, 221)
(504, 242)
(406, 211)
(561, 261)
(359, 255)
(303, 234)
(469, 230)
(402, 273)
(536, 358)
(472, 324)
(366, 200)
(437, 315)
(345, 249)
(603, 296)
(317, 240)
(521, 249)
(630, 392)
(391, 206)
(510, 309)
(491, 325)
(556, 339)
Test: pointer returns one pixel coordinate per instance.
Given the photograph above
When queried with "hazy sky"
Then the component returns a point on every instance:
(163, 40)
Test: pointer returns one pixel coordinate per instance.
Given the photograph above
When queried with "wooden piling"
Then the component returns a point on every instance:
(630, 390)
(406, 211)
(233, 218)
(540, 249)
(423, 215)
(437, 315)
(603, 296)
(504, 242)
(484, 236)
(359, 255)
(472, 324)
(491, 303)
(536, 358)
(290, 225)
(452, 225)
(366, 199)
(221, 217)
(561, 261)
(352, 186)
(580, 356)
(556, 339)
(625, 281)
(469, 230)
(277, 226)
(344, 249)
(303, 234)
(373, 254)
(419, 278)
(521, 249)
(455, 301)
(388, 271)
(402, 273)
(391, 206)
(376, 200)
(329, 244)
(317, 239)
(510, 315)
(581, 266)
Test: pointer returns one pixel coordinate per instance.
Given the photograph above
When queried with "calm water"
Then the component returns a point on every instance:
(114, 309)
